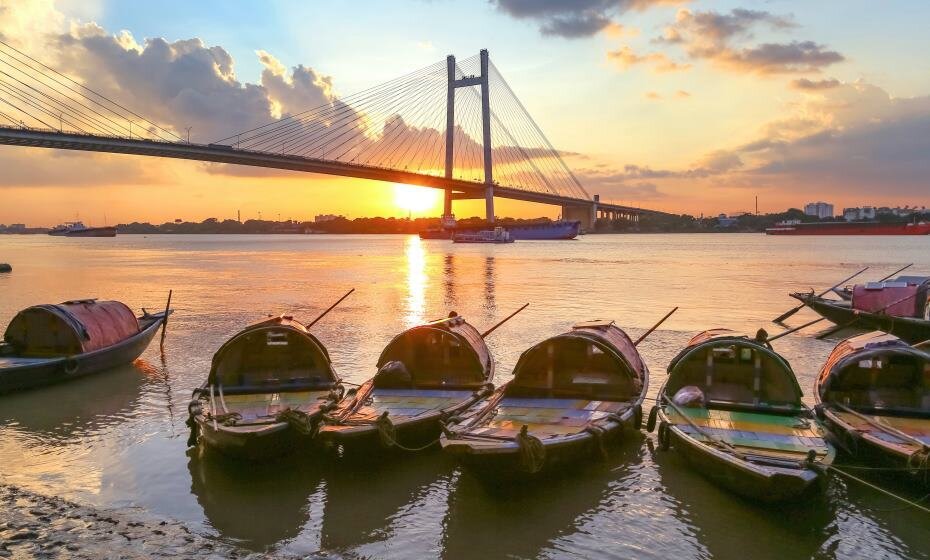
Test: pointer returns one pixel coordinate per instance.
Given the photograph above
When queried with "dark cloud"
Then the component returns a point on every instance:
(814, 85)
(715, 36)
(573, 18)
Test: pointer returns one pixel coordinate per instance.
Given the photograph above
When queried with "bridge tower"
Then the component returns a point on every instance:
(453, 84)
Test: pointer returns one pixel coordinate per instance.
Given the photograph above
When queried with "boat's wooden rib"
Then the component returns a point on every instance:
(266, 392)
(873, 393)
(425, 374)
(571, 394)
(752, 435)
(47, 344)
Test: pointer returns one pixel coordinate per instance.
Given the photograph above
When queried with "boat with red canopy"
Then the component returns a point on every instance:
(570, 396)
(47, 343)
(873, 394)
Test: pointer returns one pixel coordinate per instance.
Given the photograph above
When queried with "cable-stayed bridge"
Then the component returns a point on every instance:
(454, 125)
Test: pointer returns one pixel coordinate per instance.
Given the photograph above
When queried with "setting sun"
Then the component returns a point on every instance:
(417, 199)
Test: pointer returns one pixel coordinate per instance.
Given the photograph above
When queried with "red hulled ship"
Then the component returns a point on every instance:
(849, 228)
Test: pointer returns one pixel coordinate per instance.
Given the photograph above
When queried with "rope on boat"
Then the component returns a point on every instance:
(532, 451)
(299, 420)
(227, 419)
(193, 409)
(387, 433)
(598, 433)
(851, 476)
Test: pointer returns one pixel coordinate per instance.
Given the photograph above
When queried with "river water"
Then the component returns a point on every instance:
(119, 440)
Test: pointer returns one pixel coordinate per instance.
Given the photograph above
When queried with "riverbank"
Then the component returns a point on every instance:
(37, 526)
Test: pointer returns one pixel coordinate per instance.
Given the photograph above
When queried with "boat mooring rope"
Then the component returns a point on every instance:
(299, 420)
(532, 451)
(851, 476)
(388, 435)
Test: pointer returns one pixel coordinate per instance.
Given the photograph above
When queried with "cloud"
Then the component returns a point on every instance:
(714, 36)
(652, 95)
(682, 94)
(814, 85)
(626, 58)
(573, 19)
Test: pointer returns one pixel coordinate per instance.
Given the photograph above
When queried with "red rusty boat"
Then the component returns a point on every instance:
(850, 228)
(46, 344)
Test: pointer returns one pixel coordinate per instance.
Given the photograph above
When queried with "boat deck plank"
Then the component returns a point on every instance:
(756, 431)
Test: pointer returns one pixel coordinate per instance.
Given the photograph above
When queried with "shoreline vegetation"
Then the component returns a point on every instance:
(666, 223)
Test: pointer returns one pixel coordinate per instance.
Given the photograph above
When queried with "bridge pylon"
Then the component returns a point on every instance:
(454, 83)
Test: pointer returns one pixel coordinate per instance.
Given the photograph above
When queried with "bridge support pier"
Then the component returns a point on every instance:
(586, 214)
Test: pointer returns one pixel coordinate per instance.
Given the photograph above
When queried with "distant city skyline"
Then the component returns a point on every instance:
(687, 107)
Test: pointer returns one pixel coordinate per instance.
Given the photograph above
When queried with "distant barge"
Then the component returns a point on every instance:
(850, 228)
(559, 230)
(78, 229)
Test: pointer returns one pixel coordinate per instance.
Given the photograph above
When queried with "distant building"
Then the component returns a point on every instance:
(850, 214)
(327, 218)
(16, 227)
(724, 222)
(819, 209)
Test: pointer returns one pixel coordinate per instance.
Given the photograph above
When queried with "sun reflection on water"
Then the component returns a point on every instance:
(417, 281)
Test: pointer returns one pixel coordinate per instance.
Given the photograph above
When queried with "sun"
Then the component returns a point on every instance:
(416, 199)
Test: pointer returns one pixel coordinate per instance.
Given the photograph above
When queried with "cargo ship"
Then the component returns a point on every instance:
(78, 229)
(849, 228)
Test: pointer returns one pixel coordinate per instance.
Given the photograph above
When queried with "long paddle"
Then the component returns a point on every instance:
(654, 327)
(504, 320)
(791, 312)
(900, 270)
(330, 308)
(701, 431)
(164, 321)
(795, 329)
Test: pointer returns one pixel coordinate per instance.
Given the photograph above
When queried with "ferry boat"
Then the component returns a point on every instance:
(849, 228)
(78, 229)
(541, 231)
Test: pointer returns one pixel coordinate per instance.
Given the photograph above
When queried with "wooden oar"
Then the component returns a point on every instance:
(900, 270)
(887, 429)
(330, 308)
(164, 321)
(504, 320)
(791, 312)
(795, 329)
(654, 327)
(835, 329)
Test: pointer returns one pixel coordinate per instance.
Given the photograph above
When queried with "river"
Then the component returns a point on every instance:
(118, 439)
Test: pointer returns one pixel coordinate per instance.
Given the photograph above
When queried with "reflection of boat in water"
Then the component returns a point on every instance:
(257, 504)
(372, 500)
(46, 344)
(571, 395)
(68, 412)
(78, 229)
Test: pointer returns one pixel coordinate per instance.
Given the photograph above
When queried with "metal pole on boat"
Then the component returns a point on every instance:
(330, 308)
(164, 321)
(900, 270)
(791, 312)
(795, 329)
(505, 319)
(654, 327)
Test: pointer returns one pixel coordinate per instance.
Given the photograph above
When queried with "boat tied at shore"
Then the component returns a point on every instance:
(731, 406)
(46, 344)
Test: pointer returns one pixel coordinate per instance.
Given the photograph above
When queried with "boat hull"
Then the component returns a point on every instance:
(910, 329)
(18, 374)
(851, 228)
(109, 231)
(251, 443)
(742, 477)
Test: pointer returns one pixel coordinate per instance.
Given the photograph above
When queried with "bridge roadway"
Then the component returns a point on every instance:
(43, 138)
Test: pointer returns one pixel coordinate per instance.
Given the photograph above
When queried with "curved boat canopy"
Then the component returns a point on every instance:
(72, 327)
(876, 370)
(730, 367)
(278, 353)
(595, 360)
(448, 353)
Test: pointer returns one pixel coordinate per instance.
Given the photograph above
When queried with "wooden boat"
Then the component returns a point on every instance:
(873, 394)
(752, 435)
(267, 389)
(46, 344)
(571, 394)
(910, 329)
(425, 374)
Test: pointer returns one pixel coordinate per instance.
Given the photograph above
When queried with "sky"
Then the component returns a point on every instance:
(684, 106)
